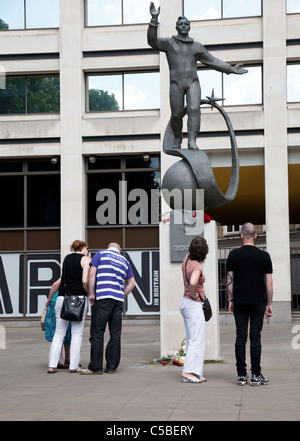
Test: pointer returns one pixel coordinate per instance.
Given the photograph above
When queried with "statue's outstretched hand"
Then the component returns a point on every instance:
(153, 11)
(238, 69)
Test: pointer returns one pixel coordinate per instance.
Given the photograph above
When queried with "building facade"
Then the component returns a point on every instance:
(83, 107)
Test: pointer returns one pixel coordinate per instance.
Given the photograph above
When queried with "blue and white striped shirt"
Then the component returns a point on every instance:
(112, 270)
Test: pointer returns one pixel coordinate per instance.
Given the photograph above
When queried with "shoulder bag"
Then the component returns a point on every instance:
(205, 303)
(72, 307)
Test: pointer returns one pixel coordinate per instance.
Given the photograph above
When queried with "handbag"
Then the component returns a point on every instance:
(205, 303)
(72, 308)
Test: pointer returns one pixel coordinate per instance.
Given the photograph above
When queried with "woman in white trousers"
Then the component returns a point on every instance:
(60, 332)
(74, 281)
(191, 308)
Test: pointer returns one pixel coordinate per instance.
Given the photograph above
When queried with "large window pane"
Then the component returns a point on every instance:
(241, 8)
(12, 201)
(12, 98)
(210, 80)
(292, 6)
(103, 12)
(43, 95)
(141, 91)
(202, 10)
(136, 12)
(103, 198)
(42, 14)
(243, 89)
(43, 195)
(293, 83)
(105, 92)
(143, 204)
(11, 14)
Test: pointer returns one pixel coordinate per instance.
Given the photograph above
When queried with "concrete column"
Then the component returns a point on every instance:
(276, 155)
(71, 111)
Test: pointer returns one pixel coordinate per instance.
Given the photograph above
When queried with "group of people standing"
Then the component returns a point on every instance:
(104, 280)
(107, 278)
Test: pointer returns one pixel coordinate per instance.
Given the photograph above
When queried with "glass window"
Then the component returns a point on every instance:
(293, 83)
(103, 198)
(43, 200)
(203, 10)
(36, 16)
(12, 98)
(136, 12)
(12, 201)
(103, 12)
(141, 91)
(105, 92)
(241, 8)
(30, 95)
(210, 80)
(243, 89)
(128, 91)
(233, 89)
(43, 95)
(117, 12)
(292, 6)
(12, 14)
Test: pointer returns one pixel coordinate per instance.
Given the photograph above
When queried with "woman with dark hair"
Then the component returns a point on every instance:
(74, 281)
(192, 311)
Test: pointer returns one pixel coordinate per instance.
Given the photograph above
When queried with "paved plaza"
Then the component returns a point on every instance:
(140, 391)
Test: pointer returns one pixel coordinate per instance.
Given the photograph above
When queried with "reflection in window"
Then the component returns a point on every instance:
(233, 89)
(30, 95)
(36, 16)
(200, 10)
(292, 7)
(243, 89)
(14, 16)
(126, 91)
(293, 83)
(117, 12)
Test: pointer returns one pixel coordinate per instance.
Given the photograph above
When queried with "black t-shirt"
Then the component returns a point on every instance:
(249, 265)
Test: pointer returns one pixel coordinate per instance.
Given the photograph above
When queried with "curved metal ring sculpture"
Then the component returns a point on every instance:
(194, 170)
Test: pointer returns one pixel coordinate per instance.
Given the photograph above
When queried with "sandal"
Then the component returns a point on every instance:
(191, 379)
(52, 371)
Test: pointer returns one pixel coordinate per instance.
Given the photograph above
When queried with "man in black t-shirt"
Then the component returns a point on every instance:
(250, 292)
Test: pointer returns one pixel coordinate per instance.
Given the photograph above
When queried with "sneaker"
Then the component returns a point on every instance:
(88, 372)
(259, 380)
(242, 380)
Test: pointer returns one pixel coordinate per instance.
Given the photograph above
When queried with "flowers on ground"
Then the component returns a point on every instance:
(177, 358)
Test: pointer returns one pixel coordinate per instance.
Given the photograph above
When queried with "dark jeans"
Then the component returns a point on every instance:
(106, 311)
(244, 314)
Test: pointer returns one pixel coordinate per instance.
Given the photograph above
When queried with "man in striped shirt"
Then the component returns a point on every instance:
(110, 281)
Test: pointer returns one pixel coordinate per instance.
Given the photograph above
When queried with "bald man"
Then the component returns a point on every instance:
(109, 271)
(250, 293)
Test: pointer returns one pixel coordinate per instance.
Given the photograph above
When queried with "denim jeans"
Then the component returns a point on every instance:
(245, 314)
(106, 311)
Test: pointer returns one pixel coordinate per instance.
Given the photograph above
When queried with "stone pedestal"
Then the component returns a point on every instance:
(172, 330)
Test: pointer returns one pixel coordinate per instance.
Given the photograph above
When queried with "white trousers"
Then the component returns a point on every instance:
(60, 332)
(194, 323)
